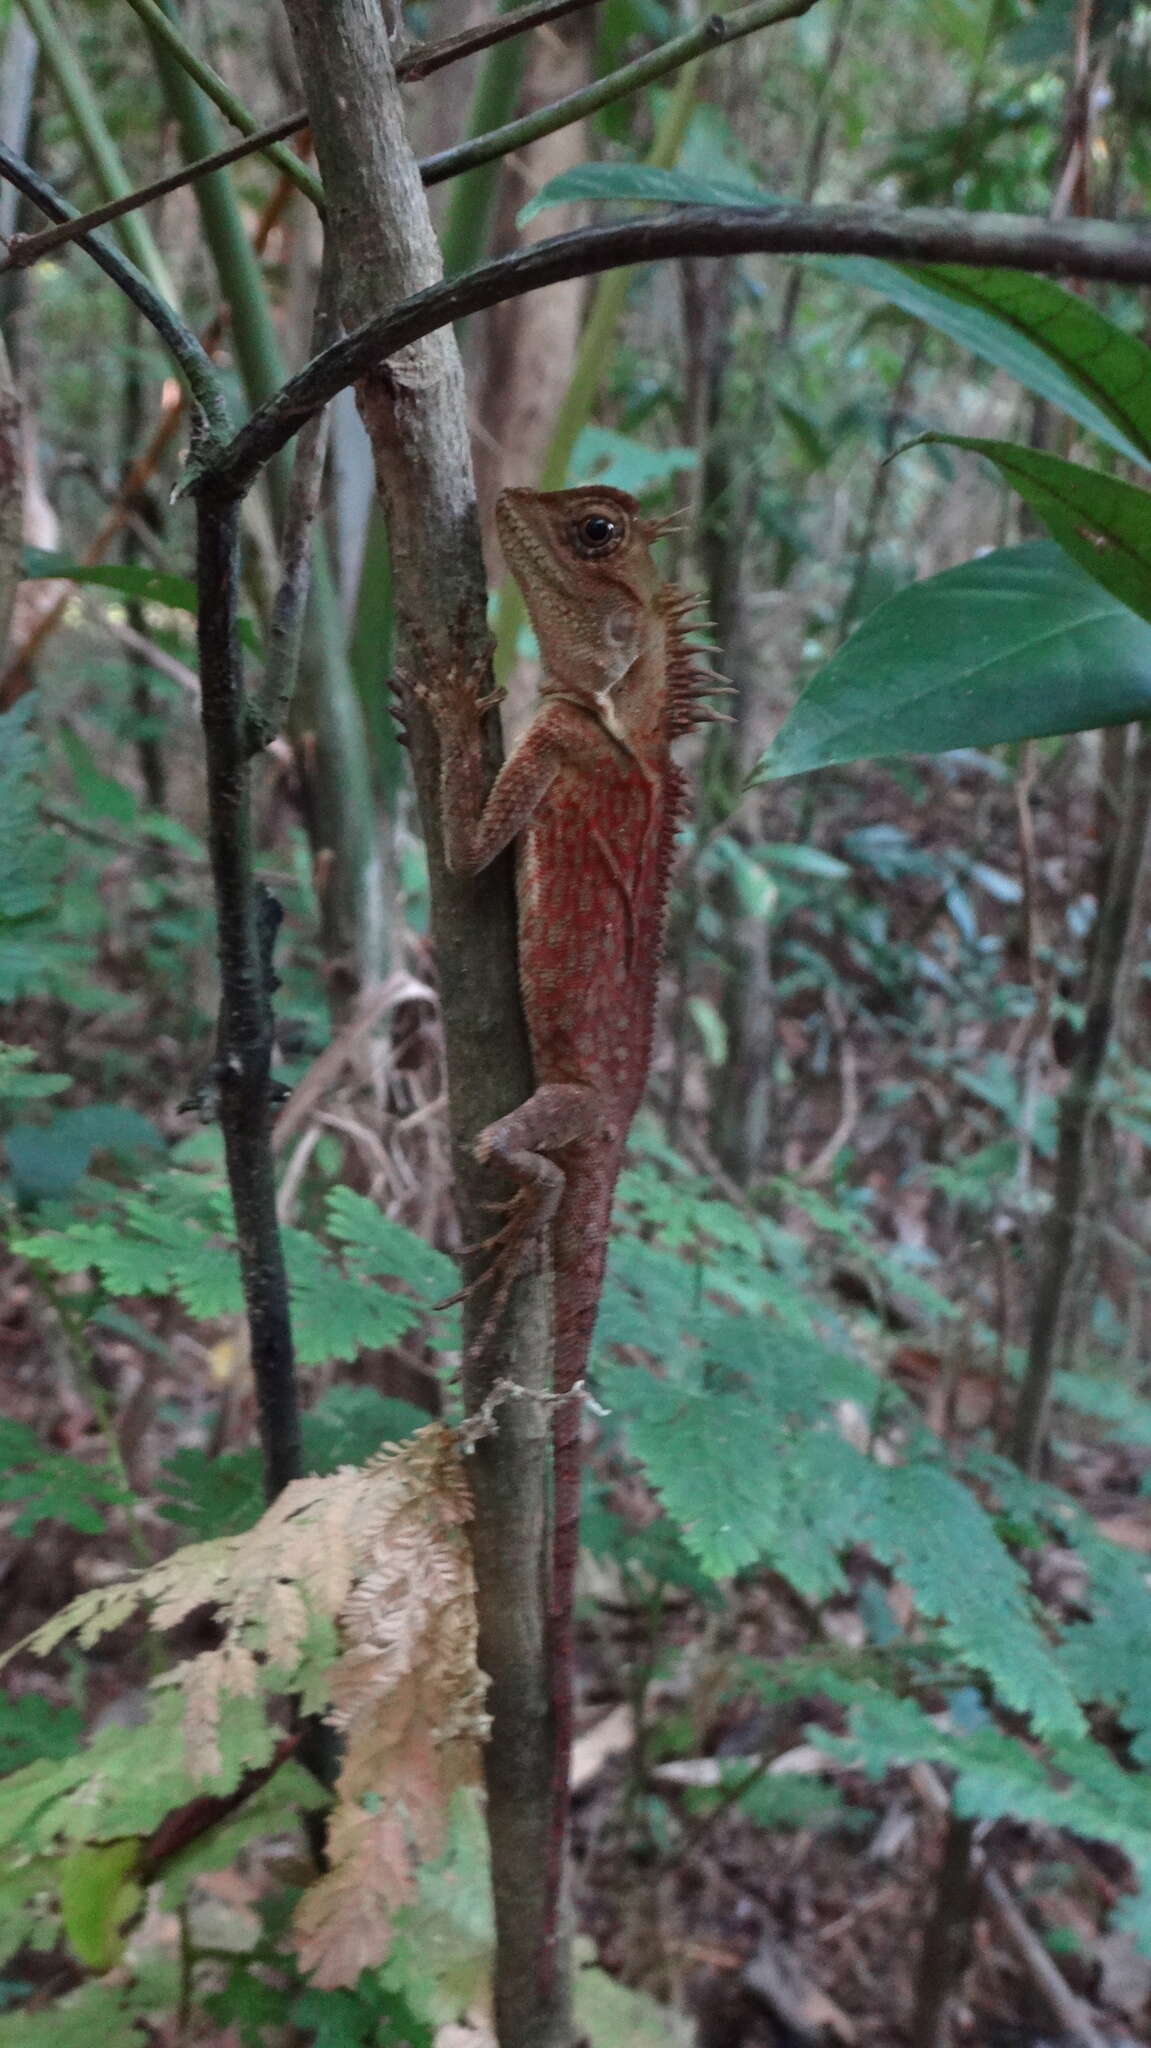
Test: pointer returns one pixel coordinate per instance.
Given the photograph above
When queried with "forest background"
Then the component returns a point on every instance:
(864, 1656)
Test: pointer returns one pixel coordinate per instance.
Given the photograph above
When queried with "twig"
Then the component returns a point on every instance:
(217, 89)
(1078, 1106)
(178, 339)
(1066, 2008)
(245, 925)
(27, 249)
(24, 250)
(268, 706)
(165, 664)
(818, 1168)
(421, 62)
(95, 139)
(914, 235)
(713, 32)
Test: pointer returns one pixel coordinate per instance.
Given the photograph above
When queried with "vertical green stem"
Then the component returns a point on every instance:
(465, 231)
(103, 156)
(355, 916)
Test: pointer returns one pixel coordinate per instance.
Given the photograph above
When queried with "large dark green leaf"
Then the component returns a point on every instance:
(1103, 523)
(1013, 646)
(130, 579)
(1051, 341)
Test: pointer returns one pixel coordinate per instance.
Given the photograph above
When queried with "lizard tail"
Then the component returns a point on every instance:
(573, 1342)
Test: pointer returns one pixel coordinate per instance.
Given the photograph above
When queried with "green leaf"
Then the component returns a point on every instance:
(17, 1084)
(441, 1955)
(30, 857)
(97, 2012)
(1015, 645)
(221, 1496)
(380, 1246)
(272, 1810)
(46, 1160)
(1103, 523)
(1050, 340)
(28, 1912)
(639, 181)
(334, 1316)
(49, 1486)
(211, 1497)
(101, 795)
(1077, 1786)
(609, 2015)
(100, 1892)
(929, 1528)
(31, 1727)
(130, 579)
(625, 463)
(127, 1779)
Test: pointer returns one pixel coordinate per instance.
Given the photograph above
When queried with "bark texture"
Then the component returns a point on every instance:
(414, 409)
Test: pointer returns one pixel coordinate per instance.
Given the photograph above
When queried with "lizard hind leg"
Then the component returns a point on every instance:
(558, 1114)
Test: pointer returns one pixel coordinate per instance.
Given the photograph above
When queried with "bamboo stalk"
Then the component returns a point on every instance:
(107, 166)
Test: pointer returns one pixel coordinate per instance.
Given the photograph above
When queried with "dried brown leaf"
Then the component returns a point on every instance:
(409, 1698)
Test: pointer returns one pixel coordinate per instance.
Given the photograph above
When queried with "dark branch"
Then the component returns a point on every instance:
(268, 708)
(1080, 248)
(420, 63)
(198, 371)
(711, 34)
(24, 250)
(246, 919)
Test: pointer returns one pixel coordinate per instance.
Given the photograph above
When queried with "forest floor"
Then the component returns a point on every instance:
(801, 1933)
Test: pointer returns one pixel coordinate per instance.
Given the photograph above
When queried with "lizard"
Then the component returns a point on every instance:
(592, 800)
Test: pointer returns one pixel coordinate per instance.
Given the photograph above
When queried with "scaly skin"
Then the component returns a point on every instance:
(592, 799)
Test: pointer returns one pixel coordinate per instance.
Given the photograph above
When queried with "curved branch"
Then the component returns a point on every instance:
(1078, 248)
(194, 362)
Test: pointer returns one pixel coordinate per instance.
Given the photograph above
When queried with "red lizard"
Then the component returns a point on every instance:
(592, 799)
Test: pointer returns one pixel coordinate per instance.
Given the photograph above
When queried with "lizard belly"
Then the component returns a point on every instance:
(591, 890)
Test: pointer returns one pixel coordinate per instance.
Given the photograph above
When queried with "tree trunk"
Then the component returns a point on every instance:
(415, 412)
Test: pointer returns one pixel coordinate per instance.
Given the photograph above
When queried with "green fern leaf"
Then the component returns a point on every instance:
(127, 1779)
(925, 1524)
(31, 1727)
(49, 1486)
(97, 2012)
(334, 1316)
(1108, 1657)
(221, 1496)
(30, 857)
(126, 1265)
(273, 1810)
(375, 1244)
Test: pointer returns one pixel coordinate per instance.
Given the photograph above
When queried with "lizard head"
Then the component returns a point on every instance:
(583, 561)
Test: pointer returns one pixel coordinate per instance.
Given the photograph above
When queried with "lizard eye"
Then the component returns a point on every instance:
(597, 534)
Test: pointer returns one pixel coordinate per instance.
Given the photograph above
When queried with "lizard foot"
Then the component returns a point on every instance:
(459, 696)
(528, 1214)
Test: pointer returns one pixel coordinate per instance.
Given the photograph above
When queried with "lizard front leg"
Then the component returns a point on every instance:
(476, 828)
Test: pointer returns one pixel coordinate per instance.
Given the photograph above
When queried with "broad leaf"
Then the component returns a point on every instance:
(1013, 646)
(1103, 523)
(130, 579)
(640, 181)
(1050, 340)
